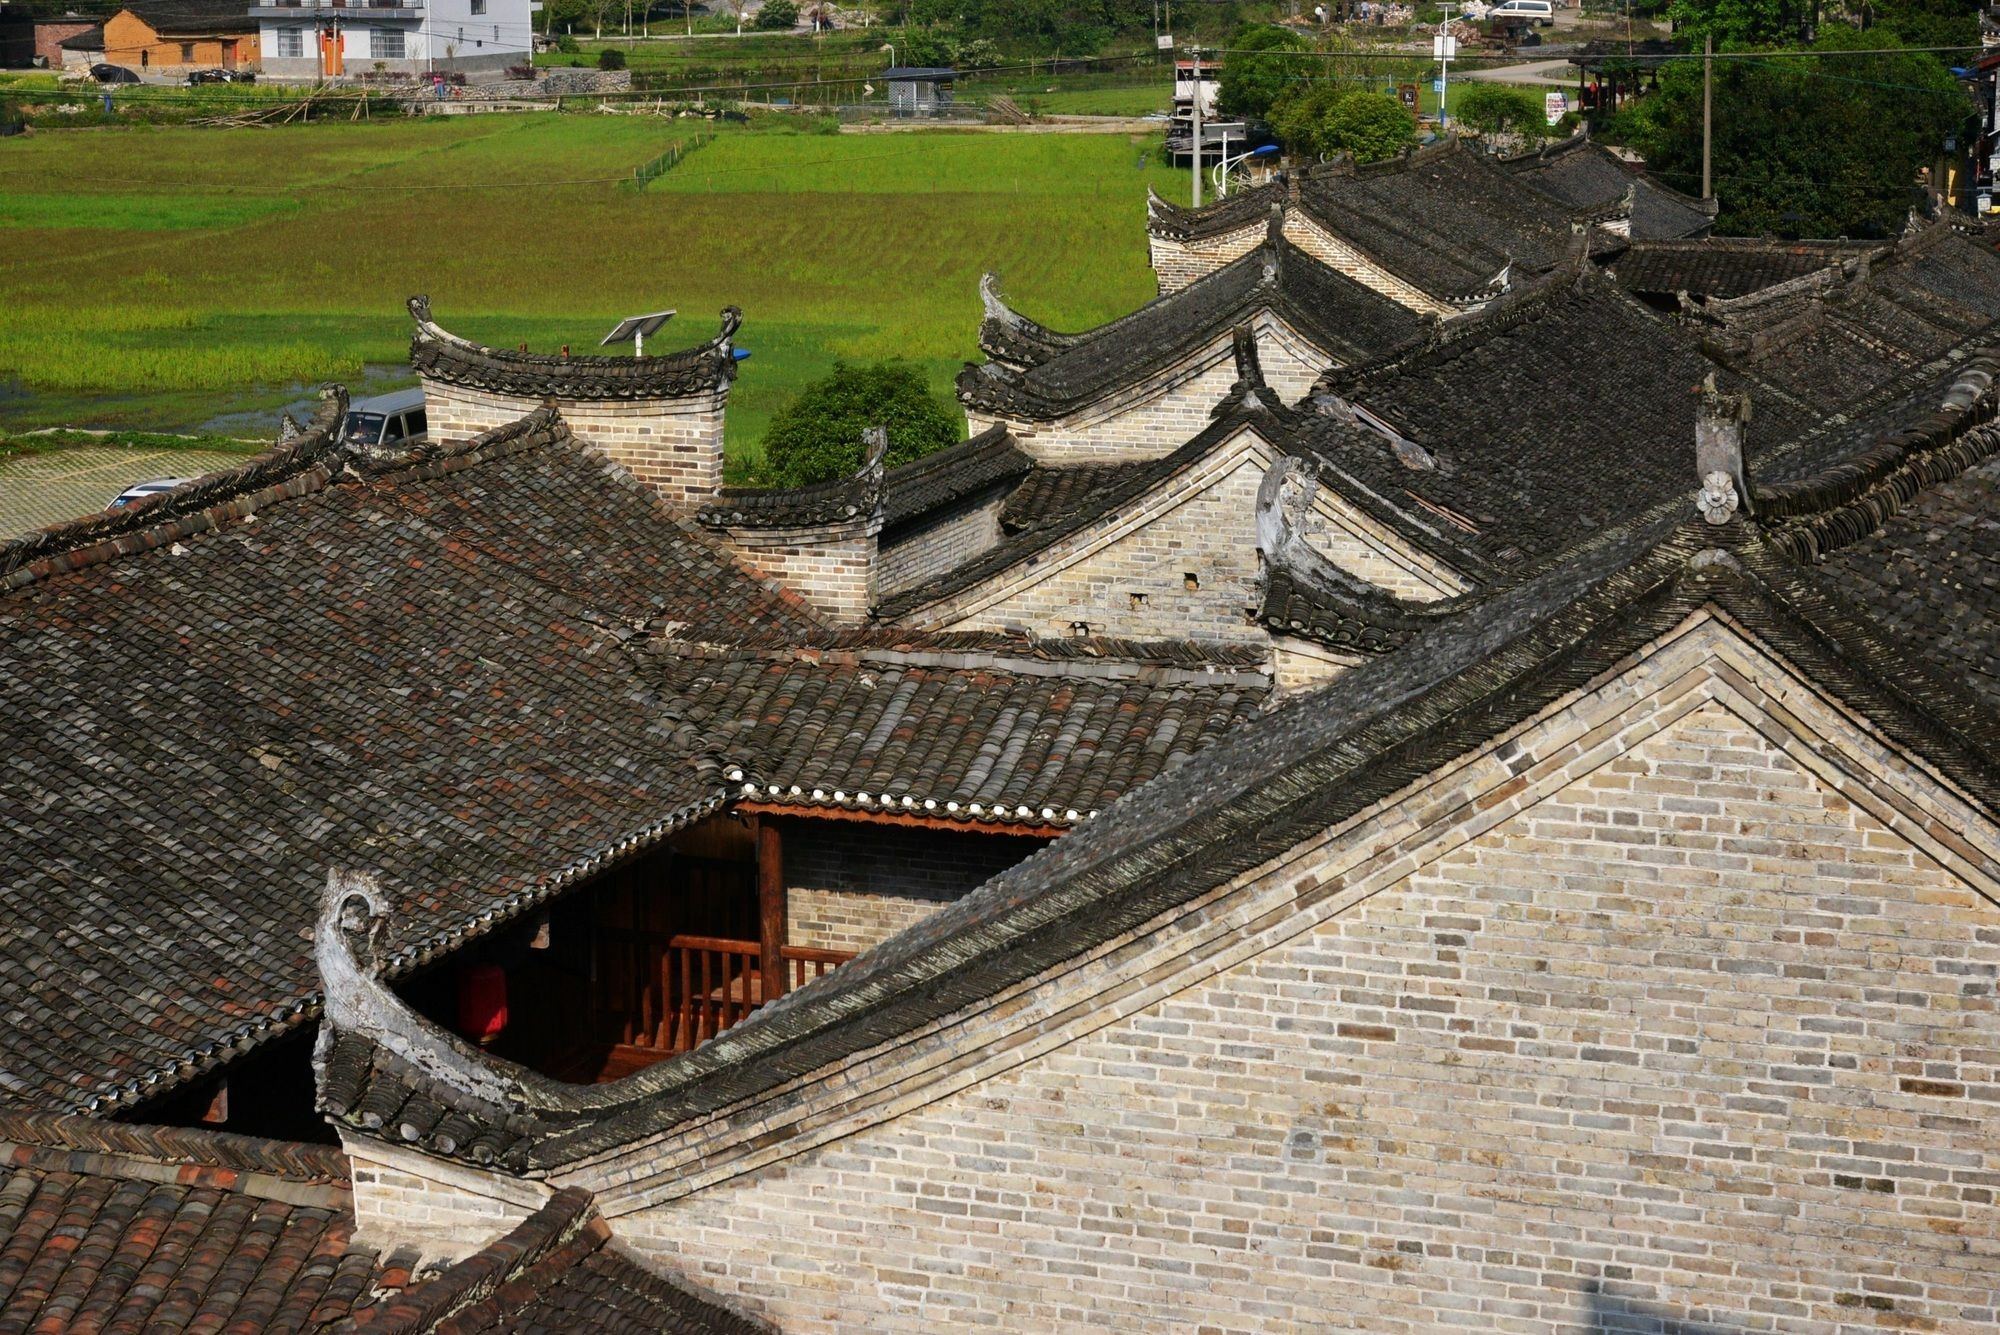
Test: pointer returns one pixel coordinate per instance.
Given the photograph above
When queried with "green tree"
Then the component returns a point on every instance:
(611, 58)
(1738, 22)
(778, 16)
(817, 437)
(1263, 65)
(1321, 120)
(1494, 108)
(1805, 148)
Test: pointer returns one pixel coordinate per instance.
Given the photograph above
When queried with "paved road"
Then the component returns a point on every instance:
(1553, 73)
(37, 490)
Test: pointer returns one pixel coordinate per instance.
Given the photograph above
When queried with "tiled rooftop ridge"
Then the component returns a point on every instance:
(438, 354)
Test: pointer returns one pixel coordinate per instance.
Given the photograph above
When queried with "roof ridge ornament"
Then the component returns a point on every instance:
(348, 948)
(1718, 447)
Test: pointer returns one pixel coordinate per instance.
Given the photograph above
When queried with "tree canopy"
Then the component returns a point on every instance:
(1805, 148)
(1320, 120)
(1265, 62)
(817, 437)
(778, 15)
(1495, 108)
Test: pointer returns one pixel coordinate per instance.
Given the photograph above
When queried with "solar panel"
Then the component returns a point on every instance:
(637, 327)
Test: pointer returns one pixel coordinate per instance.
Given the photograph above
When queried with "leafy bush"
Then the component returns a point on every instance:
(568, 45)
(611, 58)
(778, 15)
(817, 437)
(1322, 120)
(1264, 64)
(1493, 108)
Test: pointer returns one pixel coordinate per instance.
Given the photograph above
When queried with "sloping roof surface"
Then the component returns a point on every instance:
(1726, 266)
(1545, 417)
(953, 735)
(1446, 219)
(108, 1226)
(416, 669)
(935, 481)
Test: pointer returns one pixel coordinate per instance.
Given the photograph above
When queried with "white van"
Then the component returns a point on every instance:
(391, 419)
(1540, 12)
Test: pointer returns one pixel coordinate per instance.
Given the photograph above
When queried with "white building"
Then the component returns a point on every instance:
(303, 39)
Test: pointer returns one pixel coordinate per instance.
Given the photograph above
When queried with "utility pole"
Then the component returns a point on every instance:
(1707, 111)
(1444, 46)
(1195, 147)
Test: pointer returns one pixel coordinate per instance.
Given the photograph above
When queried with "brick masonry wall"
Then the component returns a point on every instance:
(672, 445)
(1331, 250)
(925, 549)
(1158, 417)
(832, 567)
(1178, 263)
(1129, 574)
(852, 885)
(1675, 1005)
(448, 1210)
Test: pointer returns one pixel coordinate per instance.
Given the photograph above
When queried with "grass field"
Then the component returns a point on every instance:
(157, 277)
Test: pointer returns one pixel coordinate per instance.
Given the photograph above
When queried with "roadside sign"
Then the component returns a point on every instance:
(1444, 47)
(1407, 94)
(1437, 85)
(1165, 41)
(1555, 106)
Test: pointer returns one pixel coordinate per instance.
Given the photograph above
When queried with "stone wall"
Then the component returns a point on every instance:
(1178, 263)
(672, 445)
(924, 549)
(1181, 562)
(851, 886)
(1157, 417)
(1331, 250)
(1675, 1005)
(832, 566)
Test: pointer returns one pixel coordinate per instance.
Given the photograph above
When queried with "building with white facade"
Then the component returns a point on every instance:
(476, 38)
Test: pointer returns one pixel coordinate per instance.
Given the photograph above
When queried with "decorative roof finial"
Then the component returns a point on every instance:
(1718, 453)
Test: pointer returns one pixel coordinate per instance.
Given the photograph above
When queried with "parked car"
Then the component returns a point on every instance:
(139, 491)
(1536, 11)
(113, 74)
(387, 419)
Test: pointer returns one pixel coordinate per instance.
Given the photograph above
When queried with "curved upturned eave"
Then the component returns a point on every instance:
(438, 354)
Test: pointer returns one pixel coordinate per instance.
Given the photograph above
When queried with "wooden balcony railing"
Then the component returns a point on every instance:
(681, 991)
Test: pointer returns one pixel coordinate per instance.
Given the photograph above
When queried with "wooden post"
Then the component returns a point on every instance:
(771, 926)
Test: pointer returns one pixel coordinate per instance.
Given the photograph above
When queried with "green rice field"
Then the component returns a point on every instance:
(159, 277)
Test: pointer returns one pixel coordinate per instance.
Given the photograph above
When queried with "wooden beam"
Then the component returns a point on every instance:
(771, 924)
(915, 822)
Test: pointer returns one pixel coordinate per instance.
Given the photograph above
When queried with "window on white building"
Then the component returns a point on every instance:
(388, 44)
(478, 6)
(291, 43)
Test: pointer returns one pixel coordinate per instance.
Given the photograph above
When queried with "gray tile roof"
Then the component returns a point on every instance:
(211, 696)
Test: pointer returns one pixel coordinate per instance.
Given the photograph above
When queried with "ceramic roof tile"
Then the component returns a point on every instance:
(418, 669)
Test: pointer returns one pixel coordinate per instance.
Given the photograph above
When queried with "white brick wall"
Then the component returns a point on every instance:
(1128, 574)
(1178, 263)
(833, 566)
(671, 445)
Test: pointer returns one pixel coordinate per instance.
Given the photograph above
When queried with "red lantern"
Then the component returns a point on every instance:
(482, 1002)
